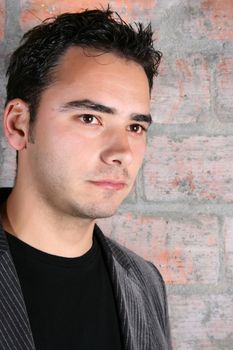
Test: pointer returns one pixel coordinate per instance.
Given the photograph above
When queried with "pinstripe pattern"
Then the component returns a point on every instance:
(15, 332)
(139, 291)
(141, 298)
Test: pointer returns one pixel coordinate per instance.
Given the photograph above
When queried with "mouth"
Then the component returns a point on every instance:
(109, 184)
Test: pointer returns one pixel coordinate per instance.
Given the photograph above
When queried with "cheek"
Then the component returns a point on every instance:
(63, 139)
(138, 154)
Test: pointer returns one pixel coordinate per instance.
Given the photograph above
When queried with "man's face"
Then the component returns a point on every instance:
(89, 133)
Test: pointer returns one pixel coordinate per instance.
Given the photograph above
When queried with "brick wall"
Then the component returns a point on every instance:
(181, 213)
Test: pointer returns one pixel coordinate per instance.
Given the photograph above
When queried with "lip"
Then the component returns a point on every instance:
(109, 184)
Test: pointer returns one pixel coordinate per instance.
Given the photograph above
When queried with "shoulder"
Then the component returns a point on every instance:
(144, 271)
(144, 279)
(148, 278)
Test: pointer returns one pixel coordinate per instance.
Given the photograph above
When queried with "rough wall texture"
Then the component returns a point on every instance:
(181, 213)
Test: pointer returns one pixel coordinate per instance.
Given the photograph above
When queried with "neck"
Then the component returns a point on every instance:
(42, 227)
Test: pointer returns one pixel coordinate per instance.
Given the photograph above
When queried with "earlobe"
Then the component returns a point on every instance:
(16, 123)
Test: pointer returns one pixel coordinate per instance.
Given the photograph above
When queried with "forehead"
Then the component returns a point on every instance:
(78, 60)
(94, 69)
(106, 78)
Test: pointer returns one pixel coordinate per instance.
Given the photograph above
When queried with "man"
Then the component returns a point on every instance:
(77, 113)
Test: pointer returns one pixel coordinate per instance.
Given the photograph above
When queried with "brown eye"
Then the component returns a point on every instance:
(89, 119)
(137, 128)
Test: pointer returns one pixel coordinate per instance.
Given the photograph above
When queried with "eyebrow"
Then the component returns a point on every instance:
(89, 104)
(146, 118)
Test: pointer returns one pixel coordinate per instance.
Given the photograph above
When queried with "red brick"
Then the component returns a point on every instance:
(228, 232)
(182, 91)
(185, 250)
(133, 8)
(2, 19)
(34, 11)
(197, 167)
(201, 321)
(218, 19)
(224, 99)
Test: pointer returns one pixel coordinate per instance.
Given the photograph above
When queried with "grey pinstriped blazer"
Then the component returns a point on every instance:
(138, 288)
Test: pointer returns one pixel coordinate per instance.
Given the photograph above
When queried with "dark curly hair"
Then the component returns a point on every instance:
(31, 67)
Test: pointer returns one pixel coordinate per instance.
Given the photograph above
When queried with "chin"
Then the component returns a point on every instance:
(102, 214)
(92, 211)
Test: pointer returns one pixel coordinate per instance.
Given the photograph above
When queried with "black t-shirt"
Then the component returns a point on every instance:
(69, 301)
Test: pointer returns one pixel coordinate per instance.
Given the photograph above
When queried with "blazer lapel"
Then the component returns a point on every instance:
(129, 296)
(15, 332)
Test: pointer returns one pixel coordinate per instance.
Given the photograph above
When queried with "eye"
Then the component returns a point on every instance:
(89, 119)
(137, 128)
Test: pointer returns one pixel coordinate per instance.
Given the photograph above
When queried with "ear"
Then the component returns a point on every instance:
(16, 123)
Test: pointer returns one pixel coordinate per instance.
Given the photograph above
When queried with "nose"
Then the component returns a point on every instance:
(117, 149)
